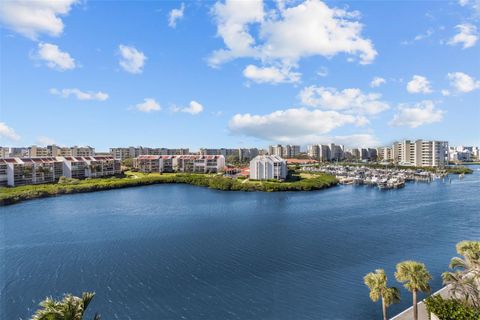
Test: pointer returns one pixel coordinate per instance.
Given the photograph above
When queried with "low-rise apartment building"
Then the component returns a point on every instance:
(268, 167)
(24, 171)
(37, 170)
(180, 163)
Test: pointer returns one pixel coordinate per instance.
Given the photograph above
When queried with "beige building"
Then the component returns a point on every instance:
(420, 153)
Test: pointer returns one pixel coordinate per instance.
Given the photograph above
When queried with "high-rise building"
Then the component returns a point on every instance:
(420, 153)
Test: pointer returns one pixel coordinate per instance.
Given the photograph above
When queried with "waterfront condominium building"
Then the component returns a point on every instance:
(268, 167)
(153, 163)
(90, 166)
(180, 163)
(420, 153)
(29, 170)
(285, 151)
(24, 171)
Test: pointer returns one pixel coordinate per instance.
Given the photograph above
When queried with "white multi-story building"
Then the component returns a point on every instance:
(268, 167)
(24, 171)
(180, 163)
(286, 151)
(420, 153)
(463, 153)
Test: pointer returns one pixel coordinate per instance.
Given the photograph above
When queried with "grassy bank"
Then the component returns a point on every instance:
(298, 182)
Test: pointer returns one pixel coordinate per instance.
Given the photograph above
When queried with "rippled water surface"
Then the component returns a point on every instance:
(185, 252)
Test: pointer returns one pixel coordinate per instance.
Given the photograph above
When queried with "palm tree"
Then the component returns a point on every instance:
(69, 308)
(377, 283)
(415, 277)
(464, 280)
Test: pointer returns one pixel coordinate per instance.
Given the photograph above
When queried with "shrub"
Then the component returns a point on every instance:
(451, 309)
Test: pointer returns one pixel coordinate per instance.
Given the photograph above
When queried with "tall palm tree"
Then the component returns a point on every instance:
(415, 277)
(464, 280)
(69, 308)
(377, 283)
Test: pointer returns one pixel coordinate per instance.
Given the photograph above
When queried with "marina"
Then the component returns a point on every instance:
(383, 179)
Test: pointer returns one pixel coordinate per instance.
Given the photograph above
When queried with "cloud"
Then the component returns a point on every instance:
(148, 105)
(462, 82)
(54, 57)
(297, 125)
(419, 84)
(287, 34)
(323, 72)
(352, 100)
(377, 82)
(131, 59)
(417, 115)
(425, 35)
(80, 95)
(45, 141)
(270, 75)
(194, 108)
(8, 133)
(467, 36)
(175, 15)
(31, 18)
(473, 4)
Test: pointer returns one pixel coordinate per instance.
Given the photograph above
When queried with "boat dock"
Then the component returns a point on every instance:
(382, 178)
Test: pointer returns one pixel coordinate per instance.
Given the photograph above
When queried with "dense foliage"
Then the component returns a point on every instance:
(69, 308)
(67, 186)
(451, 309)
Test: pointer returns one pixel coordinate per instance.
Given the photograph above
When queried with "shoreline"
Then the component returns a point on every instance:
(300, 182)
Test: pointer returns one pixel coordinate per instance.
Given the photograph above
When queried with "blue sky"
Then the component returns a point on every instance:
(238, 73)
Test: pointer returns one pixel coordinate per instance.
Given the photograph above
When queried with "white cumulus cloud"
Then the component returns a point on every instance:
(7, 132)
(419, 84)
(298, 125)
(31, 18)
(193, 108)
(467, 36)
(417, 115)
(288, 34)
(131, 60)
(377, 82)
(175, 15)
(270, 74)
(54, 57)
(80, 95)
(148, 105)
(462, 82)
(350, 100)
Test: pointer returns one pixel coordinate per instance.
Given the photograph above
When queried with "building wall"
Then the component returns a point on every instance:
(268, 167)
